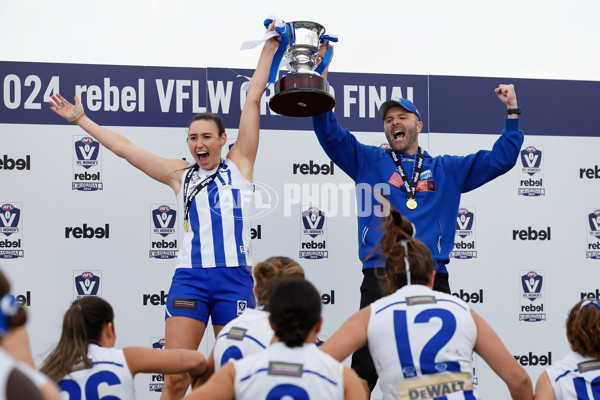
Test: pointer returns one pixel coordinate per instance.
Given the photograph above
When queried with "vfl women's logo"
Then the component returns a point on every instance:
(313, 241)
(86, 165)
(531, 159)
(159, 344)
(163, 231)
(86, 151)
(594, 220)
(532, 297)
(531, 176)
(164, 218)
(9, 219)
(313, 220)
(464, 223)
(464, 243)
(532, 285)
(593, 250)
(87, 283)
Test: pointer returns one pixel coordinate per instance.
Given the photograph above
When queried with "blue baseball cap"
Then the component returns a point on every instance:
(404, 103)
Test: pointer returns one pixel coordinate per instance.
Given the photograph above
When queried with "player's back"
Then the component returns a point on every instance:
(109, 376)
(248, 334)
(421, 342)
(575, 377)
(299, 372)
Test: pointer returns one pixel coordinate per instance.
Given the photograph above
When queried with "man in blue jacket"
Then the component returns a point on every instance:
(425, 189)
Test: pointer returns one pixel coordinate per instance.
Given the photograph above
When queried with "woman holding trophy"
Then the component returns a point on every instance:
(213, 272)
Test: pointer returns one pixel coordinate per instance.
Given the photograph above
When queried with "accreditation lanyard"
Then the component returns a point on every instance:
(411, 187)
(190, 197)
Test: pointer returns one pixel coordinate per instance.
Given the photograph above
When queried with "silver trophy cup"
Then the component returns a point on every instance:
(302, 93)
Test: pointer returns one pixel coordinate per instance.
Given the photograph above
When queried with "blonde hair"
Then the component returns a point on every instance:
(268, 273)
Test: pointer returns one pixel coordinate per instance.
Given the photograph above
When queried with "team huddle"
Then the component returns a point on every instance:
(410, 333)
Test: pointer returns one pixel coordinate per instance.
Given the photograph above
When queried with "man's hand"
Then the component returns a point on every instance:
(321, 54)
(507, 95)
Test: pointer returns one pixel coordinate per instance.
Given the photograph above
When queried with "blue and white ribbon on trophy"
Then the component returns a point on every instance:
(327, 58)
(286, 33)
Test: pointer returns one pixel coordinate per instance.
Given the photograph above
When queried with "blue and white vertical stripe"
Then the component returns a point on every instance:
(219, 234)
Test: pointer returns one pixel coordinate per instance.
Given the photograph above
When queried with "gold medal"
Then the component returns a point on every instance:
(186, 225)
(411, 204)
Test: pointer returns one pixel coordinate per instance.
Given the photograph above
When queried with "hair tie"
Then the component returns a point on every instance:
(406, 264)
(8, 305)
(594, 302)
(8, 308)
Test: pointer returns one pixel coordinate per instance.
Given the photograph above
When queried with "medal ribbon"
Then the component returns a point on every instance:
(190, 197)
(411, 187)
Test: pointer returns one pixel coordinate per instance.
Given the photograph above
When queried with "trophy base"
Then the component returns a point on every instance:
(302, 95)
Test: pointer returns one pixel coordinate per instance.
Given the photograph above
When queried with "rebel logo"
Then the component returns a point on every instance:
(531, 359)
(87, 232)
(156, 383)
(532, 182)
(464, 245)
(590, 173)
(10, 244)
(313, 168)
(86, 176)
(164, 244)
(7, 163)
(590, 295)
(314, 245)
(159, 299)
(256, 233)
(470, 297)
(531, 234)
(328, 298)
(23, 299)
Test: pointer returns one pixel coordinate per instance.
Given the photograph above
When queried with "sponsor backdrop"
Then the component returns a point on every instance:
(78, 221)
